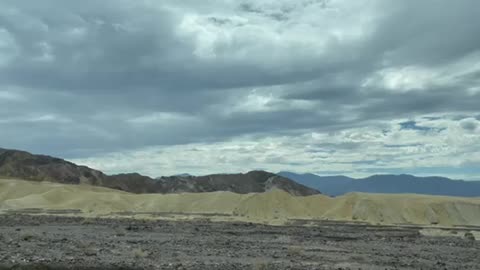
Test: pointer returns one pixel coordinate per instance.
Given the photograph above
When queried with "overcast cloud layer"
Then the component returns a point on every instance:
(166, 87)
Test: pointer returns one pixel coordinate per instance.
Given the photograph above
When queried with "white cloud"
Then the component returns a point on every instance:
(46, 52)
(262, 100)
(9, 95)
(41, 118)
(355, 152)
(411, 78)
(162, 118)
(267, 32)
(402, 79)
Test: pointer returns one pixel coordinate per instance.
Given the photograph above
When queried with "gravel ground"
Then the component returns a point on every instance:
(52, 242)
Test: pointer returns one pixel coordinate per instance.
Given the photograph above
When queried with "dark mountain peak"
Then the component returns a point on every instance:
(310, 177)
(23, 165)
(256, 174)
(260, 173)
(135, 175)
(185, 175)
(15, 156)
(253, 181)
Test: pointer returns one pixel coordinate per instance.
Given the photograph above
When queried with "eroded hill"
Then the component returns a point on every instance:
(273, 207)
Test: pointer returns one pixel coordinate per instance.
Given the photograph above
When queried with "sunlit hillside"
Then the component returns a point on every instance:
(274, 207)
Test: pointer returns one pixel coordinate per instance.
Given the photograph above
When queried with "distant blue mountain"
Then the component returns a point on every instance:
(339, 185)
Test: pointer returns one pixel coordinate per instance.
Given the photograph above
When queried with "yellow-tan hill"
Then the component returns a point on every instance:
(273, 207)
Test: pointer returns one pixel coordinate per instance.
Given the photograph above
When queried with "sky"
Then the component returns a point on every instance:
(220, 86)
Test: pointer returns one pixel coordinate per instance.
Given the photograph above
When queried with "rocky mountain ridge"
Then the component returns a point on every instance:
(27, 166)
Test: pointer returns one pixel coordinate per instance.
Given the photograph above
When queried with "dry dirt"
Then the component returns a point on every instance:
(52, 242)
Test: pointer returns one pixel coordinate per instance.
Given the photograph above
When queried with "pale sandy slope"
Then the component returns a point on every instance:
(271, 207)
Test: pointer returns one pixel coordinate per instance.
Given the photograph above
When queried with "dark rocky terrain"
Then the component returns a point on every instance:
(23, 165)
(48, 242)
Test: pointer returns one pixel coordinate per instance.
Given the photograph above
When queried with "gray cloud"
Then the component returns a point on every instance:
(79, 79)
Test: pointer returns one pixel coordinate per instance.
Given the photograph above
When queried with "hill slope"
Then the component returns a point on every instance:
(274, 207)
(23, 165)
(338, 185)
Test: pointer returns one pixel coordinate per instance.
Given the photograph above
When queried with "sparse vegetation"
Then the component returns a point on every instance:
(88, 248)
(295, 251)
(87, 221)
(358, 258)
(119, 231)
(469, 236)
(139, 253)
(90, 251)
(284, 239)
(28, 236)
(263, 265)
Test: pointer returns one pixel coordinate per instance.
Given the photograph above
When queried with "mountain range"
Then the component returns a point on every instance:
(27, 166)
(404, 183)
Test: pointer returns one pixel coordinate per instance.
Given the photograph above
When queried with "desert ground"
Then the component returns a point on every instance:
(54, 226)
(49, 242)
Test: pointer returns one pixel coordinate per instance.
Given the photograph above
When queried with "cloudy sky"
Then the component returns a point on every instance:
(165, 87)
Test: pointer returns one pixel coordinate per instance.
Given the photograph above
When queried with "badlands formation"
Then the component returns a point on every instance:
(275, 207)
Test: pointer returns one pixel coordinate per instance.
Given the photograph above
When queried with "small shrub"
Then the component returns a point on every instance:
(358, 258)
(90, 251)
(139, 253)
(284, 239)
(469, 236)
(295, 251)
(119, 231)
(262, 265)
(28, 236)
(87, 221)
(88, 248)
